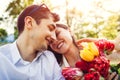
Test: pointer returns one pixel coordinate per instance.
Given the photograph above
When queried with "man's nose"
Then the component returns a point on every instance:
(53, 36)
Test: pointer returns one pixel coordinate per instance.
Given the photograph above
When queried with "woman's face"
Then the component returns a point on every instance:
(63, 42)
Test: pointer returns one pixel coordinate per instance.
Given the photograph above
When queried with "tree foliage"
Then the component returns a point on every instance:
(101, 28)
(3, 34)
(16, 6)
(97, 26)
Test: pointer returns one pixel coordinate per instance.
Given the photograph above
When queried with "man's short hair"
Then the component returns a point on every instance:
(37, 12)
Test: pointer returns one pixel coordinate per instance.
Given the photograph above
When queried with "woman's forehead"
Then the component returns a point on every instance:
(62, 26)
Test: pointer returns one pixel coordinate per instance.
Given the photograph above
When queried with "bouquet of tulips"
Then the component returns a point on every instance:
(94, 63)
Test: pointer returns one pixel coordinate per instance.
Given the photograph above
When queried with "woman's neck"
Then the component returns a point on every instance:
(72, 55)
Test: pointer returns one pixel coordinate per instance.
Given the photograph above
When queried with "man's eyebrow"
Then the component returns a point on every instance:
(52, 27)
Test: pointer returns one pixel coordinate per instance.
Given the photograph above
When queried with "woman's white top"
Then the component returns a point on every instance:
(65, 63)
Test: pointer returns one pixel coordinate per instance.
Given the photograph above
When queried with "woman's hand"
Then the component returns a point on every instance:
(83, 40)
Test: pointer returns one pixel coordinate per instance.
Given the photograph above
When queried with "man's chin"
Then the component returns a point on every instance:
(43, 49)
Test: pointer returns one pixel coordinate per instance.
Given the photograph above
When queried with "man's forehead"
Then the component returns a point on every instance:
(47, 21)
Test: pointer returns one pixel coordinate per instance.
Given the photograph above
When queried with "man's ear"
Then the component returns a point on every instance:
(28, 22)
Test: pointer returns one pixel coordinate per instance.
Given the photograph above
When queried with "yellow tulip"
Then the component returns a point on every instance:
(89, 51)
(86, 55)
(93, 48)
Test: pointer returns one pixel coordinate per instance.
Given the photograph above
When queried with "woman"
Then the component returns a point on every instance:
(61, 48)
(65, 46)
(66, 49)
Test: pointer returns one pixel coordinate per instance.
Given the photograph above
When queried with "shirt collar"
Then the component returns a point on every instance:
(38, 55)
(15, 53)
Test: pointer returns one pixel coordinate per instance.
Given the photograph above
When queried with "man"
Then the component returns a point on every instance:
(26, 58)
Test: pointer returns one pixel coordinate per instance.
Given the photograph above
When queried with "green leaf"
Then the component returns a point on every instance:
(119, 71)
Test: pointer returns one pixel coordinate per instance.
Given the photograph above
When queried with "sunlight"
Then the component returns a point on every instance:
(81, 5)
(88, 8)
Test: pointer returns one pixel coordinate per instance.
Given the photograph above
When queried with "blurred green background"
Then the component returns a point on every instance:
(86, 18)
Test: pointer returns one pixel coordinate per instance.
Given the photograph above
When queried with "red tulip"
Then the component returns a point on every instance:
(105, 46)
(83, 65)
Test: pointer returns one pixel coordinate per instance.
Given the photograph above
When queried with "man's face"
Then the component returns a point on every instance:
(43, 34)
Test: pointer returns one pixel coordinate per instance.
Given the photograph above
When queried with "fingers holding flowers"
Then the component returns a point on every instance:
(112, 76)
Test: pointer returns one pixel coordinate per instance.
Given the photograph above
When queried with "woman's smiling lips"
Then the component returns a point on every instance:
(60, 44)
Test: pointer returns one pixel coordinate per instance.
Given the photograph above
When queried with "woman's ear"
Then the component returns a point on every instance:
(28, 22)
